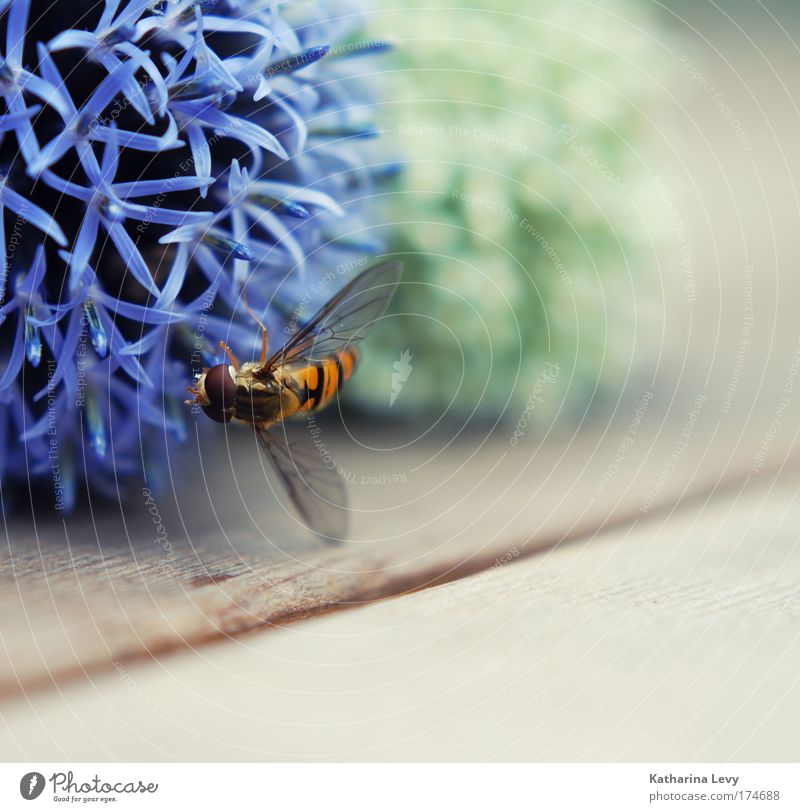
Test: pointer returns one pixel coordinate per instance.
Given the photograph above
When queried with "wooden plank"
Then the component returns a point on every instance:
(676, 640)
(106, 592)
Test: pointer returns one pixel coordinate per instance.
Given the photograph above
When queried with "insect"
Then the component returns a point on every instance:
(300, 378)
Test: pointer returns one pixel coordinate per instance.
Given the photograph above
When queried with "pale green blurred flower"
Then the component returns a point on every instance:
(525, 205)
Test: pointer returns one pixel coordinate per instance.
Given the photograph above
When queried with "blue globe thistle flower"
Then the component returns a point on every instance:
(167, 167)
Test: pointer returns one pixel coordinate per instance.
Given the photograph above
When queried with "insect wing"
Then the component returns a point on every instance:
(347, 318)
(316, 490)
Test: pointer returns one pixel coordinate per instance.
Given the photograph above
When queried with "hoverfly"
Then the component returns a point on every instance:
(300, 378)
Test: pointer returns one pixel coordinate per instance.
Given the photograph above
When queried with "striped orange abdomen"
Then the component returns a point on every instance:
(316, 383)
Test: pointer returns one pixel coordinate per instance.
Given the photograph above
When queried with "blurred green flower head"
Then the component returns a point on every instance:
(519, 210)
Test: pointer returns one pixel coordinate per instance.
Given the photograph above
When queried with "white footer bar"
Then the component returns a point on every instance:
(389, 787)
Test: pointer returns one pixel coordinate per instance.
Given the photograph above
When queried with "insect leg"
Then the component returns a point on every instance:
(264, 345)
(229, 353)
(264, 340)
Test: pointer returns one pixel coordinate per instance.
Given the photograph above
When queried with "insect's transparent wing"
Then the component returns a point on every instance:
(347, 318)
(311, 480)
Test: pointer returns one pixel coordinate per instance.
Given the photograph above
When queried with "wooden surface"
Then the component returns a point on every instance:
(674, 640)
(72, 604)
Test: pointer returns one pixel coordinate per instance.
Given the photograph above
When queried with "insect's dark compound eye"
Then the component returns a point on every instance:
(221, 391)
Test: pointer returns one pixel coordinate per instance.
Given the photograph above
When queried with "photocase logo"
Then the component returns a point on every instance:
(402, 369)
(31, 785)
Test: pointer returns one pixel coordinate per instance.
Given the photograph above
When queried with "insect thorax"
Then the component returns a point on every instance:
(259, 400)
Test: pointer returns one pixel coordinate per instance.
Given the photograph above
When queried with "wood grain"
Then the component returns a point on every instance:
(676, 640)
(80, 595)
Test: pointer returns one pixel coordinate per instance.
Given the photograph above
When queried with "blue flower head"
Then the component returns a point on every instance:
(166, 168)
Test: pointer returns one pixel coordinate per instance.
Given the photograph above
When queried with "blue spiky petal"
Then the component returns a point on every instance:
(156, 160)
